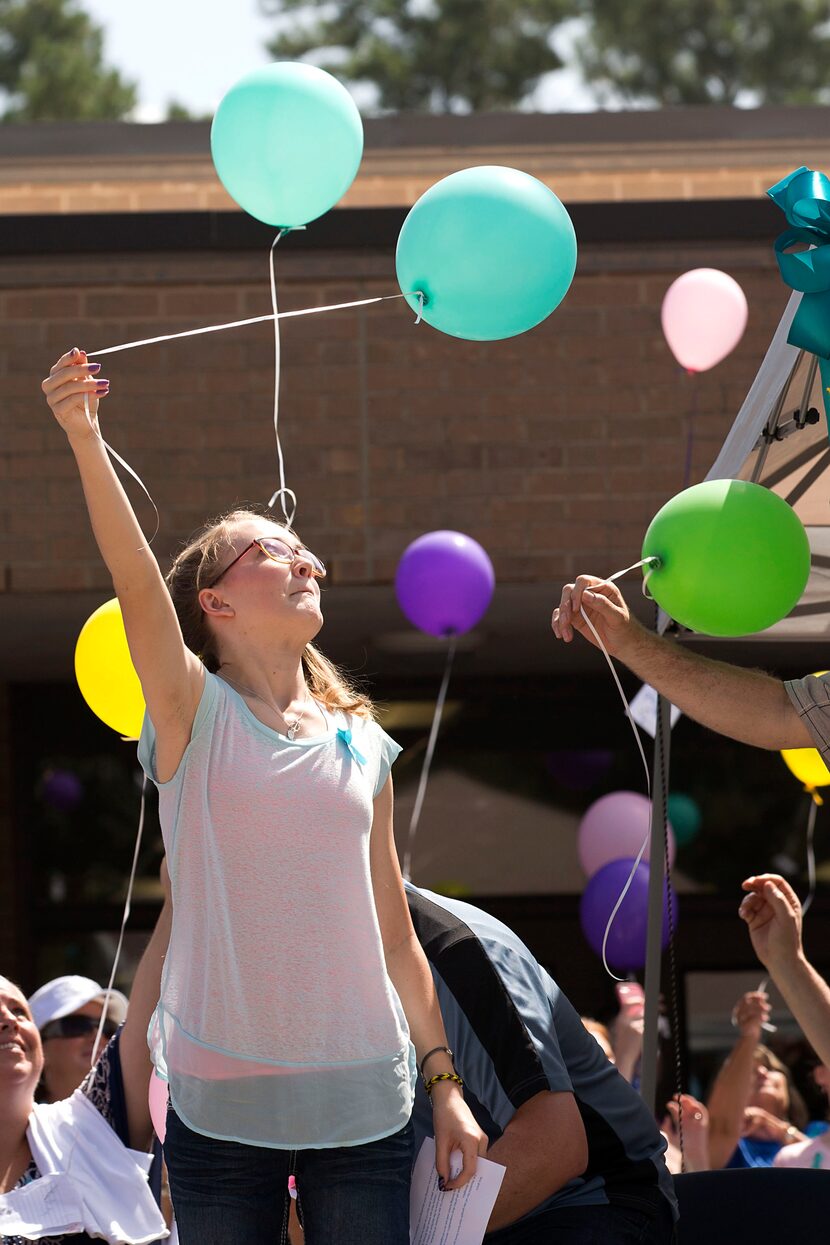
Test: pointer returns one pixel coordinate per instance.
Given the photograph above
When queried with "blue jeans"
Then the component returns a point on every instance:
(226, 1193)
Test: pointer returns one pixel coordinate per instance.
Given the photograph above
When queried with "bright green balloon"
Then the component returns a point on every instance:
(492, 249)
(734, 557)
(286, 142)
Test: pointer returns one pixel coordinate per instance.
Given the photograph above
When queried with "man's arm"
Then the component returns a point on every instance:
(772, 912)
(747, 705)
(543, 1147)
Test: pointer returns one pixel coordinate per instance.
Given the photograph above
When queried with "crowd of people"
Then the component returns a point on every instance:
(313, 1016)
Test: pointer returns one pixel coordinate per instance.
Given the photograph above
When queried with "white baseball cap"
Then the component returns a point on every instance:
(65, 995)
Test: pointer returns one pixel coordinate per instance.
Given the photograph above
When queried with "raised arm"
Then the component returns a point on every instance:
(171, 676)
(772, 912)
(747, 705)
(731, 1091)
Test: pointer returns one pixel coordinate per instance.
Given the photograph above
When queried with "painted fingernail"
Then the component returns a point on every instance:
(441, 1184)
(94, 367)
(103, 386)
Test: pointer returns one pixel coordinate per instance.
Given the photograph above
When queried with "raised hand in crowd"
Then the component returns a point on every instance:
(627, 1029)
(772, 913)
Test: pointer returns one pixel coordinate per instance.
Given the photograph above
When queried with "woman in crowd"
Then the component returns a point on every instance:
(754, 1108)
(294, 978)
(67, 1012)
(76, 1169)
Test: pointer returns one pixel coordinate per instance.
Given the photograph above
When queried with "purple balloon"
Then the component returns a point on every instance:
(615, 826)
(62, 789)
(444, 583)
(626, 946)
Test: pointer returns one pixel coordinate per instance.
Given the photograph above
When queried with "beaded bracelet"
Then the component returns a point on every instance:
(442, 1076)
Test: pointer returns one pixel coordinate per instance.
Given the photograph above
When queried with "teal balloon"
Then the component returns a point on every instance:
(286, 141)
(733, 558)
(685, 817)
(493, 251)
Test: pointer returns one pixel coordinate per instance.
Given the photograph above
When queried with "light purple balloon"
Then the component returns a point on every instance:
(615, 826)
(444, 583)
(626, 945)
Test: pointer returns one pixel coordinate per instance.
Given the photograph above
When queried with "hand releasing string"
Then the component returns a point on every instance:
(652, 563)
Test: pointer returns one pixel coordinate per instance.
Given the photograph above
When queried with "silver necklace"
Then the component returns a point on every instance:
(291, 728)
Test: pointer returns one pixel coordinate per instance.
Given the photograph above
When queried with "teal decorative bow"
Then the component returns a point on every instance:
(346, 736)
(804, 198)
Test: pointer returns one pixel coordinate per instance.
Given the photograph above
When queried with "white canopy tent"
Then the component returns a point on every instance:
(779, 439)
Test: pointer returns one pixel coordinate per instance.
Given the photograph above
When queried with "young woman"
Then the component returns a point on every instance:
(294, 978)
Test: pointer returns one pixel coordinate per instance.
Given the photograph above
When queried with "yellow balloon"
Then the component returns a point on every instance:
(105, 672)
(807, 765)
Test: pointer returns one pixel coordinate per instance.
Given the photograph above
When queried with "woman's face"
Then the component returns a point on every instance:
(771, 1091)
(259, 588)
(66, 1060)
(21, 1052)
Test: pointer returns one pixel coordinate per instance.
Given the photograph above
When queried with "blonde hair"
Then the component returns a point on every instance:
(198, 564)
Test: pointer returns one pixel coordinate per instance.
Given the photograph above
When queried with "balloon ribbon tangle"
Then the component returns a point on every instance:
(804, 198)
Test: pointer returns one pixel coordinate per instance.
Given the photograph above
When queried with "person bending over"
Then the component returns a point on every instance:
(584, 1157)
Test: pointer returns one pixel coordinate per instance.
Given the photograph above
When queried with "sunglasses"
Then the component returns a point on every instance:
(75, 1027)
(278, 551)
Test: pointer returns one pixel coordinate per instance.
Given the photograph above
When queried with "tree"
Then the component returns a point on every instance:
(52, 67)
(708, 51)
(446, 55)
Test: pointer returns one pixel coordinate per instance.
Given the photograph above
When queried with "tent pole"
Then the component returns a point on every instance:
(657, 870)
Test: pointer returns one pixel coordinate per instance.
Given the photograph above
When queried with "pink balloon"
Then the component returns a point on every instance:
(704, 316)
(157, 1098)
(615, 826)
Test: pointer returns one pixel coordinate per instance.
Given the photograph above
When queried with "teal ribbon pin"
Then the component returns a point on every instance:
(346, 736)
(804, 198)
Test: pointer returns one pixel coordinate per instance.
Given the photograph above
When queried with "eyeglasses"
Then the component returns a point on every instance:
(278, 551)
(75, 1027)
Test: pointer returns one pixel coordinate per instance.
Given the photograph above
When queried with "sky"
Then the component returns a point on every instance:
(192, 51)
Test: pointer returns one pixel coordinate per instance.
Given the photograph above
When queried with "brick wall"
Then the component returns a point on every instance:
(553, 449)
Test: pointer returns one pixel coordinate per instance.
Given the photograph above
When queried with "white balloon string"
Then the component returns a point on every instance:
(618, 905)
(282, 491)
(128, 469)
(425, 768)
(124, 920)
(811, 857)
(811, 889)
(652, 563)
(236, 324)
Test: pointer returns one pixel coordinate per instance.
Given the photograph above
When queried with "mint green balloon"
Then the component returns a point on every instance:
(734, 557)
(492, 249)
(286, 141)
